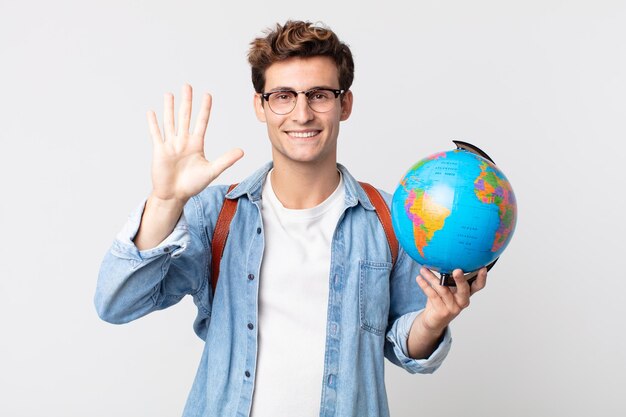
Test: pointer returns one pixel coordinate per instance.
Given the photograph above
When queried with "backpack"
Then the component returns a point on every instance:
(222, 227)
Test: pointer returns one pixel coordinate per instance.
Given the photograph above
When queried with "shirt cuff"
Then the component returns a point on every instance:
(398, 335)
(174, 244)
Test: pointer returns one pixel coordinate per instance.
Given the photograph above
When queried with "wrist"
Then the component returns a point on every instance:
(166, 204)
(157, 221)
(429, 330)
(423, 339)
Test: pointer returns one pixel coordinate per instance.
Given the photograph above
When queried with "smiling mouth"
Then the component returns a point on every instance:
(304, 135)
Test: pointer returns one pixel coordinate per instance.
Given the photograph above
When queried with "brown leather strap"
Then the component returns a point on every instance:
(220, 234)
(384, 215)
(229, 208)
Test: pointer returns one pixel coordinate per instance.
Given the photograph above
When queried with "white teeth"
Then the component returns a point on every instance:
(302, 134)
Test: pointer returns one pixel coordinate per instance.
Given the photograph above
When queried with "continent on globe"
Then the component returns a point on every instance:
(427, 216)
(491, 189)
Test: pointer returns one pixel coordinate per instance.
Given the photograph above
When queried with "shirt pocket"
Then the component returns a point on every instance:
(374, 295)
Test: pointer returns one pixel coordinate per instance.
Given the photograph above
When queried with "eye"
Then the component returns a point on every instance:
(319, 95)
(281, 97)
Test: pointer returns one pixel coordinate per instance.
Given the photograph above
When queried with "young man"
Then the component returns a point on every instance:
(308, 302)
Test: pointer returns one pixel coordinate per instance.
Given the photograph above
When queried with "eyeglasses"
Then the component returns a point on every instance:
(320, 100)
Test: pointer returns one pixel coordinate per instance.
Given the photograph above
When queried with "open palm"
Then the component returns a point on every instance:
(180, 169)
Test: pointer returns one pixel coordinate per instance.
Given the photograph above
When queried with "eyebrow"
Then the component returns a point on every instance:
(284, 88)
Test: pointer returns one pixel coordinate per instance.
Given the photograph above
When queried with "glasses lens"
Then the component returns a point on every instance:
(321, 100)
(282, 102)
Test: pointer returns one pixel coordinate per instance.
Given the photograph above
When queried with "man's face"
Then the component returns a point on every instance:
(303, 135)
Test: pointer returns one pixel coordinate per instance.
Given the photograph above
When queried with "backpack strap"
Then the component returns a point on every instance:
(384, 215)
(220, 234)
(229, 208)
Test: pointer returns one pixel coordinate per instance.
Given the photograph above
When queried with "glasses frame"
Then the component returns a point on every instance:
(296, 94)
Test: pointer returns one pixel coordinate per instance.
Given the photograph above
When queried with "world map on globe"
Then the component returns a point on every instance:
(454, 209)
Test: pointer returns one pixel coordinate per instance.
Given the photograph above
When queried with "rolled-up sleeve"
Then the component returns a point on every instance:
(133, 283)
(174, 244)
(398, 337)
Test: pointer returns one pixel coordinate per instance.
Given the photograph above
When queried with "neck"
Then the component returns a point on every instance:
(301, 186)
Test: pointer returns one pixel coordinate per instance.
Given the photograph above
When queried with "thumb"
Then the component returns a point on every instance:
(225, 161)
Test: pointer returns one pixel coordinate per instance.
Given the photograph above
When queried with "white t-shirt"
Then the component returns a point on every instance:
(293, 302)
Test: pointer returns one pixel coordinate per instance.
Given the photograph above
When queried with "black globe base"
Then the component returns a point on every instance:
(447, 280)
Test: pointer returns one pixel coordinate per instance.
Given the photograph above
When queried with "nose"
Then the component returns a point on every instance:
(302, 113)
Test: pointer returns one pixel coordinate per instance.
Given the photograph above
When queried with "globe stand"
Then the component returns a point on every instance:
(473, 149)
(448, 281)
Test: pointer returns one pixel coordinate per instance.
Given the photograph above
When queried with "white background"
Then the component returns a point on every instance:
(539, 85)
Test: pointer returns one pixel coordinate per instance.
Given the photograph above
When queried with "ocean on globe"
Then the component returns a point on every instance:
(452, 210)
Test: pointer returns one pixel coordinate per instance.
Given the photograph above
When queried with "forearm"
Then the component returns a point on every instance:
(422, 341)
(157, 222)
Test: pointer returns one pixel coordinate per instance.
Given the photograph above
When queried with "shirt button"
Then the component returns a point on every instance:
(250, 277)
(258, 230)
(250, 326)
(247, 374)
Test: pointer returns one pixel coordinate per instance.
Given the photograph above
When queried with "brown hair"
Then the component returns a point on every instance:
(303, 40)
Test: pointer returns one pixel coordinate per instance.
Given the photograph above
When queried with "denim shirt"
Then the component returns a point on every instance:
(371, 304)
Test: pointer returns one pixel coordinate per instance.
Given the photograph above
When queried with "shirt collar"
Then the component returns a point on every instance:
(252, 187)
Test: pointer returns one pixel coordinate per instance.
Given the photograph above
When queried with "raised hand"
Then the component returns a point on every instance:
(180, 169)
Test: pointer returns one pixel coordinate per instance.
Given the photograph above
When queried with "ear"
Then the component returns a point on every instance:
(258, 108)
(346, 105)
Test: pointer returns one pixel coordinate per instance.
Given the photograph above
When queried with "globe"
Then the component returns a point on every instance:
(454, 209)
